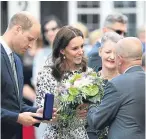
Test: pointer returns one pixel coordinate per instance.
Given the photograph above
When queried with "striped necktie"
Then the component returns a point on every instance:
(14, 70)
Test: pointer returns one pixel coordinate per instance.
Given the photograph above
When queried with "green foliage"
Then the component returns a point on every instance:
(80, 88)
(73, 91)
(90, 90)
(75, 77)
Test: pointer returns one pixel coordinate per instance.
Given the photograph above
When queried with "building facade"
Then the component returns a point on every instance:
(91, 13)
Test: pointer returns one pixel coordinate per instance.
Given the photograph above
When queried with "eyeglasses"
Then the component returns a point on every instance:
(120, 32)
(51, 29)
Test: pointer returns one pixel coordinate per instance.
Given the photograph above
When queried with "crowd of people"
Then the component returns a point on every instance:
(35, 58)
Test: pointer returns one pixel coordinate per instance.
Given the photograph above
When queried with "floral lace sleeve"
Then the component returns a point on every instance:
(45, 84)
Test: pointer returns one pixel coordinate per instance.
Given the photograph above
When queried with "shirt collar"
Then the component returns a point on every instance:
(130, 68)
(5, 45)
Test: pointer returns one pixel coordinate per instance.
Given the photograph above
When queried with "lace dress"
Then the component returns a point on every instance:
(46, 83)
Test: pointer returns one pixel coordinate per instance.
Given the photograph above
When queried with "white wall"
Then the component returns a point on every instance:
(72, 12)
(141, 20)
(32, 6)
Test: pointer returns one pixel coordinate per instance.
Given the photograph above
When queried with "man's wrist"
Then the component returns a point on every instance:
(19, 118)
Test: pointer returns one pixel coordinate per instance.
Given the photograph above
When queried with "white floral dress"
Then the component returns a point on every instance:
(46, 83)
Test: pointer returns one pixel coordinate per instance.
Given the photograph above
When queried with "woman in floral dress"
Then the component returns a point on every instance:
(67, 59)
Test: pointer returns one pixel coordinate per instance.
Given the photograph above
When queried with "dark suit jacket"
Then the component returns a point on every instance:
(11, 102)
(122, 107)
(94, 60)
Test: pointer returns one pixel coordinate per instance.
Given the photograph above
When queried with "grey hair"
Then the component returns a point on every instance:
(22, 20)
(113, 18)
(112, 36)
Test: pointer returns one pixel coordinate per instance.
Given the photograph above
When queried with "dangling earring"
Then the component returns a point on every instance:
(64, 57)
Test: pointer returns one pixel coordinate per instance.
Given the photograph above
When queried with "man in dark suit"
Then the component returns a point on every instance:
(123, 105)
(21, 33)
(114, 22)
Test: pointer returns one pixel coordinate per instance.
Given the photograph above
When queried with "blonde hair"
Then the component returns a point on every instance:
(94, 36)
(82, 28)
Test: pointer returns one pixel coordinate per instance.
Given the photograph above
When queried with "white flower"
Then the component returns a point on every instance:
(67, 85)
(77, 83)
(83, 82)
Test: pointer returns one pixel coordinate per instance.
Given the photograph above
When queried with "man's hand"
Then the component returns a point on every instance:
(26, 118)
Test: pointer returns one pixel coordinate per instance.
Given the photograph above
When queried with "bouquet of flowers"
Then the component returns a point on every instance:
(85, 87)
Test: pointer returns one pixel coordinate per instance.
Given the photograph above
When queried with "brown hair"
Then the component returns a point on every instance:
(62, 39)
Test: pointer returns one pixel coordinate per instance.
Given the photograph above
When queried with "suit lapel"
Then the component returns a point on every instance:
(134, 68)
(8, 64)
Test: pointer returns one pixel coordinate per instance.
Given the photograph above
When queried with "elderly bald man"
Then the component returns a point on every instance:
(20, 35)
(123, 104)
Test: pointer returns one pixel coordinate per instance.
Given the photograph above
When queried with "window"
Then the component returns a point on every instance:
(131, 24)
(90, 20)
(88, 4)
(129, 9)
(93, 13)
(89, 14)
(124, 4)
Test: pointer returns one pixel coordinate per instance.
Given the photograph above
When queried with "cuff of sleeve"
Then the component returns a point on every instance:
(37, 125)
(34, 109)
(14, 117)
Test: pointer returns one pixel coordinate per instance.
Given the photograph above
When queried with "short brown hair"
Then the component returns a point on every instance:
(22, 20)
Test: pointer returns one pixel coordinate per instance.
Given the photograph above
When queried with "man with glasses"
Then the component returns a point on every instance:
(113, 22)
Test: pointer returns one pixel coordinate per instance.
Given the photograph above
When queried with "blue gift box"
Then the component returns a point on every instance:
(48, 107)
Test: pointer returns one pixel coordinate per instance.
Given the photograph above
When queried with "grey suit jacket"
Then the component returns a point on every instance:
(122, 107)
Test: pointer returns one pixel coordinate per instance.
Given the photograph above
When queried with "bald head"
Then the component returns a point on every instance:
(24, 19)
(130, 48)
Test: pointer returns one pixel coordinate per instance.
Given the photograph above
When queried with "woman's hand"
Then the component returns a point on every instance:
(54, 117)
(53, 120)
(81, 110)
